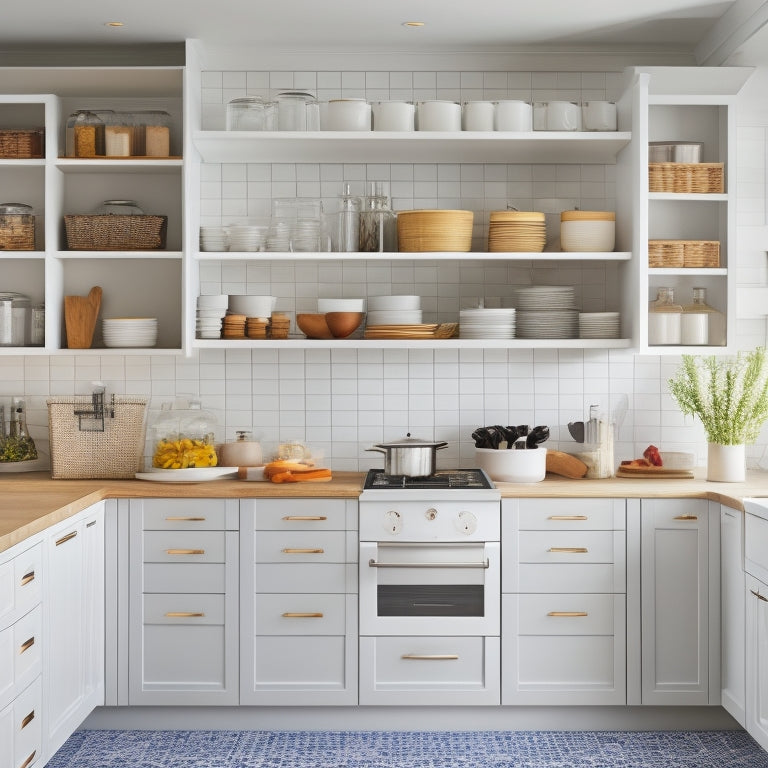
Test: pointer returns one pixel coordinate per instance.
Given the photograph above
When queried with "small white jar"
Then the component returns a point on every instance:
(393, 116)
(563, 116)
(513, 116)
(599, 115)
(477, 116)
(346, 115)
(587, 231)
(438, 116)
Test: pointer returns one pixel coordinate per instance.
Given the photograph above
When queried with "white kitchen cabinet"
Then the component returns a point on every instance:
(73, 624)
(299, 601)
(563, 636)
(680, 597)
(183, 598)
(732, 617)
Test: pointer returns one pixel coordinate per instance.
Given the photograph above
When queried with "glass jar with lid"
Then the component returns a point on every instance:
(119, 208)
(664, 319)
(378, 222)
(151, 133)
(85, 134)
(248, 113)
(17, 227)
(14, 319)
(182, 435)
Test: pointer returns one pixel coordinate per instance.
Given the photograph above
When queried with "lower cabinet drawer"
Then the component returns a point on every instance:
(295, 614)
(183, 657)
(299, 662)
(305, 577)
(184, 546)
(568, 546)
(27, 727)
(20, 655)
(183, 609)
(429, 670)
(182, 578)
(567, 577)
(563, 614)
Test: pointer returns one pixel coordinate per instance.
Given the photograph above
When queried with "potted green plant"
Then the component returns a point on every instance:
(730, 397)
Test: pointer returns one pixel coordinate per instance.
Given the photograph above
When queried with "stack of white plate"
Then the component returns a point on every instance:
(247, 237)
(548, 324)
(490, 323)
(210, 311)
(537, 297)
(129, 331)
(392, 303)
(394, 310)
(213, 239)
(599, 325)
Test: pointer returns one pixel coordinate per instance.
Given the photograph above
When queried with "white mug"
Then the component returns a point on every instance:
(393, 116)
(347, 115)
(513, 116)
(563, 116)
(438, 116)
(599, 115)
(478, 116)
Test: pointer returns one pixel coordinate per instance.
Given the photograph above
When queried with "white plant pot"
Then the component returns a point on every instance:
(726, 463)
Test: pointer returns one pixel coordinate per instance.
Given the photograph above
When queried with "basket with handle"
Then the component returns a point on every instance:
(96, 437)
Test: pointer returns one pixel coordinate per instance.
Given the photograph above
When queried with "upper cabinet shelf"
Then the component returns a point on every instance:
(580, 147)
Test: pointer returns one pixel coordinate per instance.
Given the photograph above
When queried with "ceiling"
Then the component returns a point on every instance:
(355, 24)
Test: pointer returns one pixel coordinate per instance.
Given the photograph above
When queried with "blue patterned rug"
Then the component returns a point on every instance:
(394, 749)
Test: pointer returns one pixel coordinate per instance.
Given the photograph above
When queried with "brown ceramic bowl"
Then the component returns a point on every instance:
(343, 324)
(314, 326)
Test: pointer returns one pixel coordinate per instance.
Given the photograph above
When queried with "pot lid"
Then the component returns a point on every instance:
(412, 442)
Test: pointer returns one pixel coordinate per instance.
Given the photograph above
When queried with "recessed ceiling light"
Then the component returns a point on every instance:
(113, 24)
(413, 23)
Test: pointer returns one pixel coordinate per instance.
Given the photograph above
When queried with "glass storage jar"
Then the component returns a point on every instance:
(85, 134)
(664, 319)
(378, 222)
(152, 133)
(16, 444)
(182, 435)
(14, 319)
(119, 208)
(248, 113)
(17, 227)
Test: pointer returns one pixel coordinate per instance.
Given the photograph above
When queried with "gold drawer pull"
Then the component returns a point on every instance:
(567, 517)
(185, 519)
(687, 517)
(430, 656)
(301, 551)
(184, 551)
(759, 596)
(578, 550)
(27, 645)
(568, 614)
(27, 720)
(29, 760)
(66, 538)
(298, 615)
(184, 615)
(305, 517)
(27, 577)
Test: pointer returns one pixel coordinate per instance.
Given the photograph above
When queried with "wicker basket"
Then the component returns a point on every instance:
(22, 144)
(86, 447)
(702, 178)
(115, 232)
(684, 253)
(17, 232)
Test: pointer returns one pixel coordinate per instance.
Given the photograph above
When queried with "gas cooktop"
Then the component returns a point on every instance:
(463, 479)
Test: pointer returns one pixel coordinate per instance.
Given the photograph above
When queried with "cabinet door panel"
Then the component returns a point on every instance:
(566, 546)
(301, 577)
(571, 514)
(184, 514)
(558, 577)
(28, 569)
(184, 577)
(300, 547)
(184, 546)
(27, 647)
(565, 614)
(757, 660)
(189, 610)
(183, 658)
(296, 614)
(299, 662)
(298, 514)
(28, 727)
(732, 613)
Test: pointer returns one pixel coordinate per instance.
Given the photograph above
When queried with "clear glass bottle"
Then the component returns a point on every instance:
(664, 319)
(707, 317)
(18, 445)
(378, 222)
(348, 238)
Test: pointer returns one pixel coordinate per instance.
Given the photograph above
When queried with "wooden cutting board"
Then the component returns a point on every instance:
(657, 473)
(80, 313)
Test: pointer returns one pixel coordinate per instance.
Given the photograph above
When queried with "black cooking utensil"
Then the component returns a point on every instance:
(576, 428)
(537, 436)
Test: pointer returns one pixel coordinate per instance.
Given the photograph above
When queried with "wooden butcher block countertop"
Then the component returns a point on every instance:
(30, 502)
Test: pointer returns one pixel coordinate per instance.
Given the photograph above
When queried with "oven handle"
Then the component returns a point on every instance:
(373, 564)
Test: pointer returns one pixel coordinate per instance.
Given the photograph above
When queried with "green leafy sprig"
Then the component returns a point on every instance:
(730, 396)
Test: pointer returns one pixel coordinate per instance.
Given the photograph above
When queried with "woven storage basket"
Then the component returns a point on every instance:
(115, 232)
(22, 144)
(81, 454)
(683, 253)
(419, 231)
(701, 178)
(17, 232)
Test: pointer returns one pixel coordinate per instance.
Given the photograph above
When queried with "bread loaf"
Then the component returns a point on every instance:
(560, 463)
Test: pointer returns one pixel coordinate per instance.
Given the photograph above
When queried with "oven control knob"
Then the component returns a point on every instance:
(393, 522)
(431, 513)
(466, 523)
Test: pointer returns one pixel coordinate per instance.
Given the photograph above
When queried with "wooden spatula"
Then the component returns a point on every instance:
(80, 313)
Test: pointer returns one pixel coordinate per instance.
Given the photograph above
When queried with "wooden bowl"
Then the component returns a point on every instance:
(314, 326)
(343, 324)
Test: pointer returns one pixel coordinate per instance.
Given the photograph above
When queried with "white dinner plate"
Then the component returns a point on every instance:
(194, 475)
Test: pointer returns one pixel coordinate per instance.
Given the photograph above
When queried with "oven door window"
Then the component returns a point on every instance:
(430, 600)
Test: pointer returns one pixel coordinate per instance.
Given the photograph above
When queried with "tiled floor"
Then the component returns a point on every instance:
(393, 749)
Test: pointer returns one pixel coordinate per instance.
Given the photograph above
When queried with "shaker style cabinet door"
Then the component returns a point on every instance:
(757, 660)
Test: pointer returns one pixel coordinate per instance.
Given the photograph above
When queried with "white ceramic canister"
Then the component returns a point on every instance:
(694, 328)
(599, 115)
(438, 116)
(540, 116)
(563, 116)
(346, 115)
(513, 116)
(477, 115)
(393, 116)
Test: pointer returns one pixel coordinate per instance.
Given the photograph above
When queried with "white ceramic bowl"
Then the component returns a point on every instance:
(597, 236)
(513, 466)
(214, 301)
(340, 305)
(376, 303)
(252, 306)
(394, 317)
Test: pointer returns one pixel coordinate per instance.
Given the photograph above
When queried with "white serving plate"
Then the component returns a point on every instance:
(194, 475)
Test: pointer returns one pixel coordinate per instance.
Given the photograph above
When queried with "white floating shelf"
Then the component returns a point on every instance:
(412, 344)
(409, 256)
(122, 165)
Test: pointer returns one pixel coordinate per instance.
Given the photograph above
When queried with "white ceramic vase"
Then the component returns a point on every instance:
(726, 463)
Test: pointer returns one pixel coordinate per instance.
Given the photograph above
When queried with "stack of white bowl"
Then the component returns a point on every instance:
(210, 311)
(394, 310)
(213, 239)
(247, 237)
(340, 305)
(251, 306)
(129, 331)
(487, 323)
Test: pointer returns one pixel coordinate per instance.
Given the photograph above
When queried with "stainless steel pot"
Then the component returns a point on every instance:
(410, 456)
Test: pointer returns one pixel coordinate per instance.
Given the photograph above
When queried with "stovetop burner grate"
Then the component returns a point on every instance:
(443, 478)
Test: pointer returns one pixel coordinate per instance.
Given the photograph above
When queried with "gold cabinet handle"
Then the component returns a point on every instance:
(181, 518)
(185, 614)
(430, 656)
(27, 720)
(759, 596)
(27, 577)
(305, 517)
(29, 760)
(578, 550)
(302, 551)
(184, 551)
(300, 615)
(27, 645)
(65, 539)
(567, 517)
(568, 614)
(686, 517)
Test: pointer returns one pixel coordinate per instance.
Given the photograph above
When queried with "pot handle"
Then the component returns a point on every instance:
(378, 450)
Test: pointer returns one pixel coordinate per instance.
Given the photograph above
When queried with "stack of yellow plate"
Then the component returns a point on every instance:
(517, 232)
(418, 331)
(422, 230)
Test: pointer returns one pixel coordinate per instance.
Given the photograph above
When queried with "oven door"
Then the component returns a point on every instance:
(429, 588)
